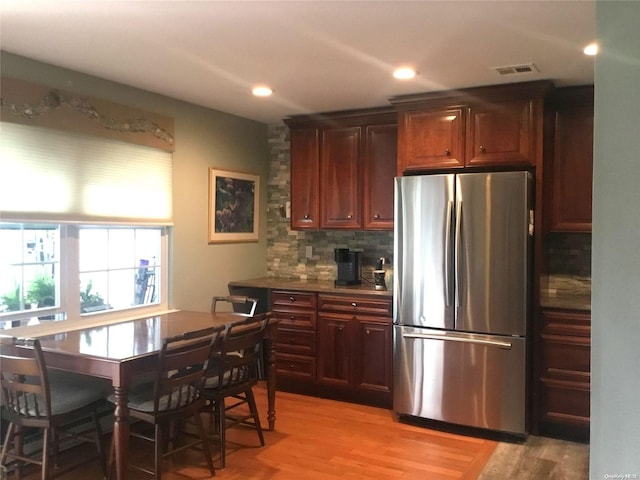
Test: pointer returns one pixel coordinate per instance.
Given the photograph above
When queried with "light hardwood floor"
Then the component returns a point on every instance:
(325, 439)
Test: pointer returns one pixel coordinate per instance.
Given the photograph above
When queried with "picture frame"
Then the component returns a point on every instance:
(233, 206)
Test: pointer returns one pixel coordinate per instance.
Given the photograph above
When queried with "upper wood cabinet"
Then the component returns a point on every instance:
(305, 175)
(431, 138)
(379, 169)
(501, 133)
(340, 184)
(349, 159)
(498, 126)
(572, 160)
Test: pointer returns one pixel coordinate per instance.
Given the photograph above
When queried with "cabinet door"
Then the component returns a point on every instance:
(372, 355)
(501, 133)
(340, 178)
(573, 168)
(379, 168)
(430, 139)
(305, 172)
(334, 350)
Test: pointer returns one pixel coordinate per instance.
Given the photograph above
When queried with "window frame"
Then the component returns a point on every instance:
(69, 286)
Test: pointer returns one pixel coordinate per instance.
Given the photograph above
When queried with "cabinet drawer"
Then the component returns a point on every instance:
(558, 322)
(302, 342)
(565, 402)
(296, 366)
(288, 301)
(355, 305)
(566, 358)
(295, 320)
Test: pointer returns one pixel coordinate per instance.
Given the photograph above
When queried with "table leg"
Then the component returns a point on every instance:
(270, 357)
(121, 431)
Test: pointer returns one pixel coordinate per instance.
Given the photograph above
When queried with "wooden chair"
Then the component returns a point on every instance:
(233, 372)
(174, 396)
(35, 397)
(241, 305)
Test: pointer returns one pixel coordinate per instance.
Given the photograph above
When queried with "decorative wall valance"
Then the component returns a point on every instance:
(32, 104)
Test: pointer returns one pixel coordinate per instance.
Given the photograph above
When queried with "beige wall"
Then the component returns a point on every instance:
(204, 138)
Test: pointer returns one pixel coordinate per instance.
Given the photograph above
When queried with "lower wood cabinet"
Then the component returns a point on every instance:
(295, 343)
(354, 348)
(334, 345)
(564, 374)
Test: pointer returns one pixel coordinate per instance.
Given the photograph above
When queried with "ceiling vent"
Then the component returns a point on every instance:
(516, 69)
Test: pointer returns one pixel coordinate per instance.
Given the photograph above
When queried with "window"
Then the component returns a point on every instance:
(53, 272)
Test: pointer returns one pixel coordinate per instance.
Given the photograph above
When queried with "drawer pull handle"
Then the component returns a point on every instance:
(354, 304)
(292, 299)
(292, 317)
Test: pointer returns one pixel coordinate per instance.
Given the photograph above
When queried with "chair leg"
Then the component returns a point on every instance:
(158, 444)
(251, 400)
(221, 418)
(45, 453)
(205, 442)
(7, 440)
(99, 444)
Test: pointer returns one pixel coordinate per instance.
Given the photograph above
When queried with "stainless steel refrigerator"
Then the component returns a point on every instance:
(461, 298)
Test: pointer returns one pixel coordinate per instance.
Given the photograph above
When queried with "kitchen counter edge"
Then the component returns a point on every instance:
(320, 286)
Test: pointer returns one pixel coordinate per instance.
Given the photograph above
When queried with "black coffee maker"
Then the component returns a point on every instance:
(348, 266)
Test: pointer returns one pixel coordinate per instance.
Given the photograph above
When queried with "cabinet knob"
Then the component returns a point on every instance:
(368, 332)
(354, 304)
(349, 216)
(340, 329)
(447, 152)
(292, 317)
(483, 149)
(292, 299)
(291, 366)
(291, 340)
(376, 216)
(307, 216)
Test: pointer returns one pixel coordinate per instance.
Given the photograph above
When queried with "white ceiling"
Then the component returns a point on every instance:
(317, 55)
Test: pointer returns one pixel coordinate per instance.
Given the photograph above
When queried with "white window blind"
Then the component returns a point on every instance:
(59, 176)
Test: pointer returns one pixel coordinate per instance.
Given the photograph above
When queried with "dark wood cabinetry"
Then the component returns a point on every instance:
(502, 132)
(379, 169)
(340, 183)
(497, 126)
(349, 158)
(305, 175)
(431, 139)
(334, 345)
(295, 343)
(354, 347)
(564, 378)
(571, 160)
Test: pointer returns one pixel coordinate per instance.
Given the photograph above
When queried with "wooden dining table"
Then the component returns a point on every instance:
(120, 351)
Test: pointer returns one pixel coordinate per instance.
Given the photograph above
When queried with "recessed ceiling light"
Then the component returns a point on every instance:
(404, 73)
(591, 49)
(262, 91)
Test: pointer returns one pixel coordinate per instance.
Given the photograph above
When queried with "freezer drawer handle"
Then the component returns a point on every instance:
(491, 343)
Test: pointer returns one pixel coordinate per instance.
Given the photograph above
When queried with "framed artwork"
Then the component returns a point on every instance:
(233, 206)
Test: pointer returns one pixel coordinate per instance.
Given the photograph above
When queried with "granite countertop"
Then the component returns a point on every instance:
(324, 286)
(566, 291)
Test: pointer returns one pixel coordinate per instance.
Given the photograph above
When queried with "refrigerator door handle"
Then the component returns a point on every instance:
(448, 254)
(490, 343)
(458, 246)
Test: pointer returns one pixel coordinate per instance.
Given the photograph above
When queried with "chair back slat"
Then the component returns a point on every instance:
(182, 363)
(236, 362)
(23, 378)
(241, 305)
